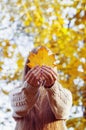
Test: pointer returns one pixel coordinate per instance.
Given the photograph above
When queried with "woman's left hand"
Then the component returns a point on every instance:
(48, 76)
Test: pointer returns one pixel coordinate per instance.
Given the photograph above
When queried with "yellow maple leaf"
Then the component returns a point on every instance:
(42, 57)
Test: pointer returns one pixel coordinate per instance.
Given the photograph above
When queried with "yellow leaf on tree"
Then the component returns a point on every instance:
(5, 91)
(42, 57)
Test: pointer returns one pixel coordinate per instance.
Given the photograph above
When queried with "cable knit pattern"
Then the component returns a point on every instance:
(60, 100)
(23, 99)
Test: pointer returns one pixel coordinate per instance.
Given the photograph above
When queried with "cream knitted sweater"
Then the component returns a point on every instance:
(23, 99)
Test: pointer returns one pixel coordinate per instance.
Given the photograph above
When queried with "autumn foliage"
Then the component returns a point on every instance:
(41, 58)
(60, 26)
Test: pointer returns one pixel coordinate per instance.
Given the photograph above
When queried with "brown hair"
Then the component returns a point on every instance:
(41, 116)
(26, 68)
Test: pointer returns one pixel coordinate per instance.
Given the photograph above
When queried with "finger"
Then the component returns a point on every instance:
(49, 78)
(41, 79)
(33, 79)
(36, 79)
(47, 82)
(49, 73)
(30, 71)
(44, 75)
(50, 70)
(45, 79)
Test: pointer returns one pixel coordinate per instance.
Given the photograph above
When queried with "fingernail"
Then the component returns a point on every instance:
(38, 82)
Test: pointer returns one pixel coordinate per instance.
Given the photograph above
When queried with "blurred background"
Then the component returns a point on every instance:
(61, 26)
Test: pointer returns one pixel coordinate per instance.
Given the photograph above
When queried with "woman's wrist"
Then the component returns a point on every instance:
(27, 88)
(49, 86)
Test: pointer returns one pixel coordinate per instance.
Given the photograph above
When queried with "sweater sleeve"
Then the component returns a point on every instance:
(22, 99)
(60, 100)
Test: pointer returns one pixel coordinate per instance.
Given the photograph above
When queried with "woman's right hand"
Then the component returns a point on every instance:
(48, 75)
(33, 76)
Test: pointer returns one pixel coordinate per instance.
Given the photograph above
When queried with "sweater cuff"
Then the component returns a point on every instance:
(60, 100)
(23, 98)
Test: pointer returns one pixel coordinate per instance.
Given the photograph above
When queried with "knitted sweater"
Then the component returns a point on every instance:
(25, 97)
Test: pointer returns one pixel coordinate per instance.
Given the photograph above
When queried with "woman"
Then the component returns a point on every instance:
(40, 103)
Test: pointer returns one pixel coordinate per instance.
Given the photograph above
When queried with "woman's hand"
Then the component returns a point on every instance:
(48, 76)
(38, 76)
(33, 76)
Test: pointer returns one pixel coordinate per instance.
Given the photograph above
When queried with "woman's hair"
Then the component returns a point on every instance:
(26, 68)
(41, 111)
